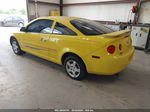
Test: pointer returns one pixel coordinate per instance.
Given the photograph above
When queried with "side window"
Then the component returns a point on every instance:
(40, 26)
(16, 18)
(62, 30)
(8, 19)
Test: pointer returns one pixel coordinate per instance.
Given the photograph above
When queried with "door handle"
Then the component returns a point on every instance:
(44, 39)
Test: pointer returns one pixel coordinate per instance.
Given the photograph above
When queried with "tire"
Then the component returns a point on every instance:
(2, 24)
(20, 24)
(75, 68)
(16, 48)
(117, 75)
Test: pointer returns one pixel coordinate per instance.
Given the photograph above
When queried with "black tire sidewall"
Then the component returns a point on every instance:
(20, 52)
(2, 24)
(80, 63)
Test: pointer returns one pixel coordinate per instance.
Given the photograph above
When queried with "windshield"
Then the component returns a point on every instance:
(88, 27)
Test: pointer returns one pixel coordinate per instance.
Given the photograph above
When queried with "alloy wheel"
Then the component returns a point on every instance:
(73, 68)
(15, 46)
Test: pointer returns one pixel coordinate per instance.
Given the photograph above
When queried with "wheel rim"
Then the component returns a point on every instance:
(15, 46)
(73, 68)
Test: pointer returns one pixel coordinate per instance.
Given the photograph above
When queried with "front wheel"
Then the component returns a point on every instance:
(75, 68)
(2, 24)
(16, 48)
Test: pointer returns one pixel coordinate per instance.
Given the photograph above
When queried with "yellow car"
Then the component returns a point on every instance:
(81, 45)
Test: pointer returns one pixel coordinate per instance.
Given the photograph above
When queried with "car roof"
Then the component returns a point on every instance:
(59, 18)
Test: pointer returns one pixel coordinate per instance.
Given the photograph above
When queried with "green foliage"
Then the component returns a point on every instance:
(23, 11)
(4, 12)
(13, 11)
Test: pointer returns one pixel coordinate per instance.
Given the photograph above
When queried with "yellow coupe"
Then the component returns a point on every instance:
(81, 45)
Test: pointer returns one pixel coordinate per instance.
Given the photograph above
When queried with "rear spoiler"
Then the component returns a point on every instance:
(123, 33)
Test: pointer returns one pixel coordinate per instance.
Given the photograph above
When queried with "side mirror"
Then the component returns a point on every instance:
(23, 29)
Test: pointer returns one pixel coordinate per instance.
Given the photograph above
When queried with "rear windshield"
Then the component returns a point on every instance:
(88, 27)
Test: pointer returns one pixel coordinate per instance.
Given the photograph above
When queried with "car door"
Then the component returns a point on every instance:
(15, 21)
(59, 38)
(36, 39)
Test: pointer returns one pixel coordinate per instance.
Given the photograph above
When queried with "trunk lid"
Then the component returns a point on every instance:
(117, 39)
(121, 40)
(123, 33)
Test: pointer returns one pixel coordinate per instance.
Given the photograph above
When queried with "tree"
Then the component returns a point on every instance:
(4, 11)
(13, 11)
(22, 11)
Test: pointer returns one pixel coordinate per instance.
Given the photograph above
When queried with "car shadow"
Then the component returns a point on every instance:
(43, 61)
(105, 79)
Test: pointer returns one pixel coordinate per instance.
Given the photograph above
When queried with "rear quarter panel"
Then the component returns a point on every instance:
(78, 45)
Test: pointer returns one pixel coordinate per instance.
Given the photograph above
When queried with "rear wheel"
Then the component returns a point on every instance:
(21, 24)
(75, 68)
(16, 47)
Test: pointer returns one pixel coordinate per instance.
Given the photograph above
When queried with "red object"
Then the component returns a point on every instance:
(134, 9)
(111, 49)
(120, 47)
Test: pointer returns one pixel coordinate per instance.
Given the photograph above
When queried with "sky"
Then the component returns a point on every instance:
(10, 4)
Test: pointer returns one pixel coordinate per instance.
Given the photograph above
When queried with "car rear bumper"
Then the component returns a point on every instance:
(109, 65)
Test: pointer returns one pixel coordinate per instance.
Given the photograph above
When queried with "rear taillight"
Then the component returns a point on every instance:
(120, 47)
(111, 49)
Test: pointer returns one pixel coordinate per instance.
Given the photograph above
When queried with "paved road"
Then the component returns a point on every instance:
(30, 82)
